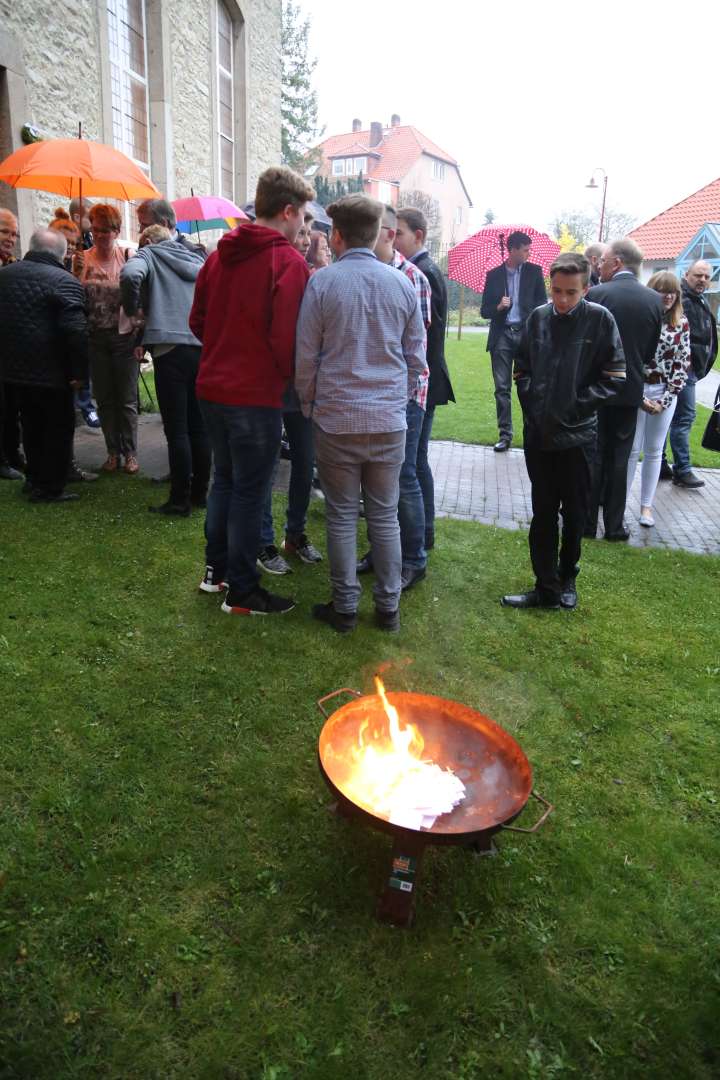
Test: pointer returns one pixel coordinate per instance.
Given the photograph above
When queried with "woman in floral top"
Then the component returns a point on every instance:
(665, 376)
(114, 371)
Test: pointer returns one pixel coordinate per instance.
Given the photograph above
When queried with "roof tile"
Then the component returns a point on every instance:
(665, 235)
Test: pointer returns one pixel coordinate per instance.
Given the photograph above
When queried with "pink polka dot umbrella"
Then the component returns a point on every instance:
(469, 262)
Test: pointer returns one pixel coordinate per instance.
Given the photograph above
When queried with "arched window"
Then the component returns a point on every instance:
(225, 103)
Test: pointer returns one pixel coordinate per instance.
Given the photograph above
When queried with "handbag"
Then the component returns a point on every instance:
(711, 435)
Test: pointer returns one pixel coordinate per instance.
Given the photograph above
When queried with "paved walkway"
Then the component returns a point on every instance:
(475, 484)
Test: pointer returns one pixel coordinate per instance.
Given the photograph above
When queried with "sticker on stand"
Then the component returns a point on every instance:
(403, 873)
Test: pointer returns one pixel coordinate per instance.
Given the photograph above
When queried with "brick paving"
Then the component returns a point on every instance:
(473, 483)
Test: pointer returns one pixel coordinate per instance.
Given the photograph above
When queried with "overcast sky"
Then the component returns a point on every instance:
(530, 97)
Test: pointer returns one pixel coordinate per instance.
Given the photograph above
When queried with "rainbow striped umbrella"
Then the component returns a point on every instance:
(204, 212)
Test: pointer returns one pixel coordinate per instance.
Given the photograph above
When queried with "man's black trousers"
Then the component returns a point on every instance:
(616, 432)
(9, 426)
(48, 423)
(560, 482)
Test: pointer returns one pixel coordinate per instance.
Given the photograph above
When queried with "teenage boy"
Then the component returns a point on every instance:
(411, 509)
(410, 240)
(247, 298)
(360, 351)
(511, 292)
(570, 362)
(298, 430)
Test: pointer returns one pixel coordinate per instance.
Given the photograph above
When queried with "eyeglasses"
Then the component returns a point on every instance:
(8, 232)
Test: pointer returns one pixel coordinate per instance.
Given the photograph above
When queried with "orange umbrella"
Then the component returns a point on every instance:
(77, 168)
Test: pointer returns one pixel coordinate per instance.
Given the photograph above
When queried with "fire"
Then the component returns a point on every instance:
(391, 778)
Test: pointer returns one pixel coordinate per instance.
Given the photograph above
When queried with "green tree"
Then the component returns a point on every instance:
(584, 226)
(431, 209)
(299, 104)
(489, 217)
(327, 189)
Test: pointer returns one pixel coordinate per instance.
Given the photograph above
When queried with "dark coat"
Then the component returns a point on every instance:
(42, 313)
(703, 331)
(197, 249)
(566, 368)
(532, 294)
(638, 313)
(440, 389)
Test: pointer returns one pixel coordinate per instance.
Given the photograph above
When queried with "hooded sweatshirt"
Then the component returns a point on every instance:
(160, 279)
(246, 306)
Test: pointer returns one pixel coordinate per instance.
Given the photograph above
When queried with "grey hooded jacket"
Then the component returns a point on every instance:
(160, 279)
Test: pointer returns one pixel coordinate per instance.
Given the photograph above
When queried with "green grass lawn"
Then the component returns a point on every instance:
(472, 419)
(177, 902)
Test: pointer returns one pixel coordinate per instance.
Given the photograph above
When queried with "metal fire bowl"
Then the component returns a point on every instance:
(495, 771)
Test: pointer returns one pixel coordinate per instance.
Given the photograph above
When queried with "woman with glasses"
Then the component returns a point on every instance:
(114, 371)
(665, 376)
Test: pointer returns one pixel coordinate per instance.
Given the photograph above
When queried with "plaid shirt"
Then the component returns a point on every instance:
(423, 291)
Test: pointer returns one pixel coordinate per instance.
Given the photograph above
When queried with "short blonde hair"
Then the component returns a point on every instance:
(154, 234)
(357, 218)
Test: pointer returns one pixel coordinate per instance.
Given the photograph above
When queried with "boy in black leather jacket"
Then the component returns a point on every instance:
(569, 363)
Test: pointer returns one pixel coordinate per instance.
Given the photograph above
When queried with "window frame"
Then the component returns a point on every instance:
(220, 71)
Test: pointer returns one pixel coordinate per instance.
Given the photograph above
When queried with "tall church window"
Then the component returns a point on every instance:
(127, 37)
(225, 103)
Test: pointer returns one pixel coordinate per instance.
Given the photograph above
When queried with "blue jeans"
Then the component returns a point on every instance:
(424, 474)
(245, 441)
(302, 460)
(411, 506)
(83, 400)
(681, 424)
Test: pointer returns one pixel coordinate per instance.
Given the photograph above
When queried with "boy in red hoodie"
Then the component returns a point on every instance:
(246, 305)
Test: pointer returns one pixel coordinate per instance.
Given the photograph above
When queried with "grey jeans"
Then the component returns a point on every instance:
(347, 464)
(114, 372)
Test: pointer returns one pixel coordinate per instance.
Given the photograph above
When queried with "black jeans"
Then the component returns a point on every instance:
(48, 423)
(188, 444)
(9, 426)
(560, 482)
(616, 432)
(503, 356)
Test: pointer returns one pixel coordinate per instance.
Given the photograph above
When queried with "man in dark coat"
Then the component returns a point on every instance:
(638, 313)
(410, 241)
(11, 462)
(44, 358)
(569, 363)
(703, 350)
(512, 291)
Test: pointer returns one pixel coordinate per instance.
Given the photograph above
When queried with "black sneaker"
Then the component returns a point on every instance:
(257, 602)
(687, 479)
(213, 582)
(271, 561)
(170, 509)
(302, 547)
(342, 621)
(666, 472)
(388, 620)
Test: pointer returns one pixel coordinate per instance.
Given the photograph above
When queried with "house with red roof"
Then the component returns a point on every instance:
(397, 160)
(666, 239)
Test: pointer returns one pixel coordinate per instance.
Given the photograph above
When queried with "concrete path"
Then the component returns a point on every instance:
(475, 484)
(707, 388)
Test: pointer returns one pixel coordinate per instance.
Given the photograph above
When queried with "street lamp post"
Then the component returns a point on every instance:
(594, 186)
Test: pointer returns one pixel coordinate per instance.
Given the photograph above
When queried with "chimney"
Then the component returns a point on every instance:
(357, 125)
(376, 133)
(394, 120)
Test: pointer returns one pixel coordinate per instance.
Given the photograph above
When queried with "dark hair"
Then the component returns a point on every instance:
(279, 187)
(357, 218)
(414, 219)
(518, 239)
(571, 262)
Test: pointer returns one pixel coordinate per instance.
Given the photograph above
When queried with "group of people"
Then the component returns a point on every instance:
(603, 373)
(347, 357)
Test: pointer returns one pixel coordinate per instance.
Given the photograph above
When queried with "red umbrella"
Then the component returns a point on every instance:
(469, 262)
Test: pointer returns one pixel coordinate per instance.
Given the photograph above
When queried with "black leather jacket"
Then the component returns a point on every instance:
(567, 367)
(703, 331)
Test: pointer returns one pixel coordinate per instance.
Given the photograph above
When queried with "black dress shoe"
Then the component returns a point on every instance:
(342, 621)
(160, 479)
(410, 576)
(502, 445)
(687, 479)
(389, 621)
(666, 472)
(623, 534)
(568, 595)
(170, 509)
(365, 564)
(532, 599)
(590, 533)
(48, 497)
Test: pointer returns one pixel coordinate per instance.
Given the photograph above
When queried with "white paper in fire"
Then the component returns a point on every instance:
(423, 795)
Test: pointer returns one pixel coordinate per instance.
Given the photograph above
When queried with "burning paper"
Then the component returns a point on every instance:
(392, 779)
